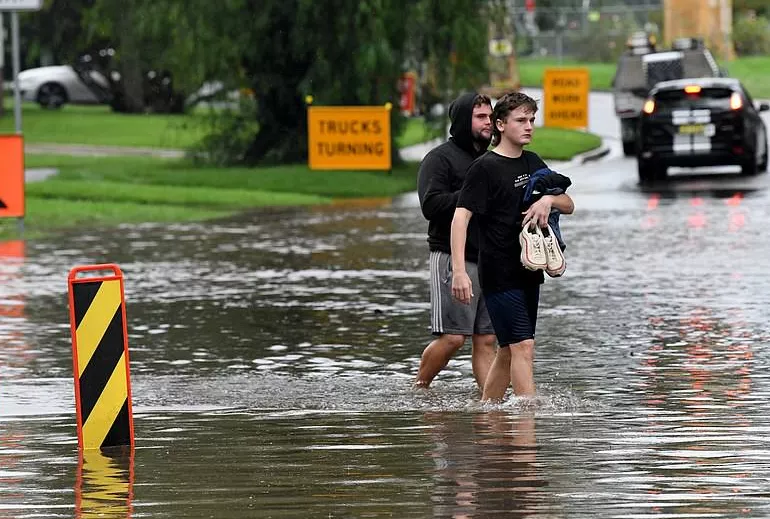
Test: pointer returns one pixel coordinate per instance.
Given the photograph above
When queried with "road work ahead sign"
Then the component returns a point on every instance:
(20, 5)
(349, 137)
(566, 97)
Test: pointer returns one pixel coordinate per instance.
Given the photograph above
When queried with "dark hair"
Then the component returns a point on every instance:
(507, 104)
(481, 100)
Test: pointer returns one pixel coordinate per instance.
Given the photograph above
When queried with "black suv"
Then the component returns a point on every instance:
(700, 122)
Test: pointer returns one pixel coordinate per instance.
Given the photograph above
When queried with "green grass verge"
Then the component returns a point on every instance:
(105, 191)
(170, 195)
(296, 179)
(561, 144)
(46, 215)
(752, 71)
(415, 131)
(100, 126)
(532, 71)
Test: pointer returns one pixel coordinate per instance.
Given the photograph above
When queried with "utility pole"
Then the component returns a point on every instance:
(2, 64)
(710, 20)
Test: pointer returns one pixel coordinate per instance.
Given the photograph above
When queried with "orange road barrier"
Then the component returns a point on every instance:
(11, 176)
(100, 358)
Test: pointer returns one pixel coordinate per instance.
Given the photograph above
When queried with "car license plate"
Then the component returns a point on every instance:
(696, 129)
(691, 129)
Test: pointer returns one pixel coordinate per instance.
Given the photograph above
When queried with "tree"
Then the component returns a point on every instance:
(339, 51)
(345, 52)
(760, 7)
(55, 32)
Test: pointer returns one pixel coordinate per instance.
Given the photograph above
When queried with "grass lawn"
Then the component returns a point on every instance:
(416, 131)
(753, 71)
(106, 191)
(187, 184)
(100, 126)
(559, 144)
(532, 71)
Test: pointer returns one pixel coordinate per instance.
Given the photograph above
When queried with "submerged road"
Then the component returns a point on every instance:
(272, 357)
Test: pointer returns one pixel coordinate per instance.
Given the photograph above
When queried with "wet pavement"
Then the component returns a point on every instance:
(272, 357)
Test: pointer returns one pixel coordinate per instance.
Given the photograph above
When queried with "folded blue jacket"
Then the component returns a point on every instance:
(545, 181)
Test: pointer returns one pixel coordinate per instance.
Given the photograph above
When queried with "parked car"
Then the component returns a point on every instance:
(51, 87)
(90, 81)
(700, 122)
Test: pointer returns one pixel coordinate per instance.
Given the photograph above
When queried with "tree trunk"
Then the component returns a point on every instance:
(282, 136)
(130, 61)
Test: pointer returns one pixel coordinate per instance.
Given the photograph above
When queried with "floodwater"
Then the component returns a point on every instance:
(272, 357)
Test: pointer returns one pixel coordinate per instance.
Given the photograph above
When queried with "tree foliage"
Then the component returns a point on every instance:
(339, 51)
(760, 7)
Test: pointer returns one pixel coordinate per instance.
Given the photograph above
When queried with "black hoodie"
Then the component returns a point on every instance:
(441, 176)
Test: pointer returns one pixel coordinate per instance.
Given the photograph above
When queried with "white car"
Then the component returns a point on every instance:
(51, 87)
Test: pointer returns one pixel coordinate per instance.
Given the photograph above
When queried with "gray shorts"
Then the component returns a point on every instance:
(447, 314)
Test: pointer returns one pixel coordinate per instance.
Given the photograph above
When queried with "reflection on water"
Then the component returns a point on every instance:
(104, 483)
(272, 358)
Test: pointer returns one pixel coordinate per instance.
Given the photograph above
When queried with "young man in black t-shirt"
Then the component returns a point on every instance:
(493, 193)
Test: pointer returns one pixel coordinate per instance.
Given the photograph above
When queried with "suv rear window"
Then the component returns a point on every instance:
(707, 97)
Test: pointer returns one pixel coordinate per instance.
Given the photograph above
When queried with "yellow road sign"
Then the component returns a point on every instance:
(566, 97)
(349, 137)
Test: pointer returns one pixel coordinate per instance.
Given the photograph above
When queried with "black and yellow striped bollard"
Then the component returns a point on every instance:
(100, 357)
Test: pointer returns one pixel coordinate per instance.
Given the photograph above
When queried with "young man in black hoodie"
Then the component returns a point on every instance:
(441, 175)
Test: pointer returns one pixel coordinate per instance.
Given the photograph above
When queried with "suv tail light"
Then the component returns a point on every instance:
(649, 106)
(736, 103)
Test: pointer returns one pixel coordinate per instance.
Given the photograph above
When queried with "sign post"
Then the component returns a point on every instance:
(15, 6)
(15, 166)
(2, 62)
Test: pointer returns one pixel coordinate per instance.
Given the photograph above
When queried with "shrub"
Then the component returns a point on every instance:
(751, 36)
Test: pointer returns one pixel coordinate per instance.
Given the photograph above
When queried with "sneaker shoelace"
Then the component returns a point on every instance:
(537, 245)
(549, 248)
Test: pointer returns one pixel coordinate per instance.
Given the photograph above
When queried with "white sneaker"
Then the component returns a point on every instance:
(556, 263)
(533, 253)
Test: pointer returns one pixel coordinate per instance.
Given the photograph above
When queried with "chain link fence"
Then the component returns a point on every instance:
(583, 33)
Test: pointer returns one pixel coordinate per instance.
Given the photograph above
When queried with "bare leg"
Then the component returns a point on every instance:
(522, 371)
(482, 356)
(499, 376)
(437, 355)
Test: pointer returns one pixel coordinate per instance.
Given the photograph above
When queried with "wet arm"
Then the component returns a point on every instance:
(540, 210)
(462, 289)
(563, 203)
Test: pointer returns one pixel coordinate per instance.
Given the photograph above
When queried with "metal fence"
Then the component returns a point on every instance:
(581, 31)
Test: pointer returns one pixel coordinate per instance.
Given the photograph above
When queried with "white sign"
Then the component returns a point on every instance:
(20, 5)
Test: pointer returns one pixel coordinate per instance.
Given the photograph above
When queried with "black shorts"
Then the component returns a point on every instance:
(514, 314)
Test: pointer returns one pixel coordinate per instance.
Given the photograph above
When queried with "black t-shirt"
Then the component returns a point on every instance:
(494, 192)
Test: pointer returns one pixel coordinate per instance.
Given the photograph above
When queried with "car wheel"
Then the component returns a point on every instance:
(649, 171)
(51, 96)
(629, 148)
(763, 162)
(749, 166)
